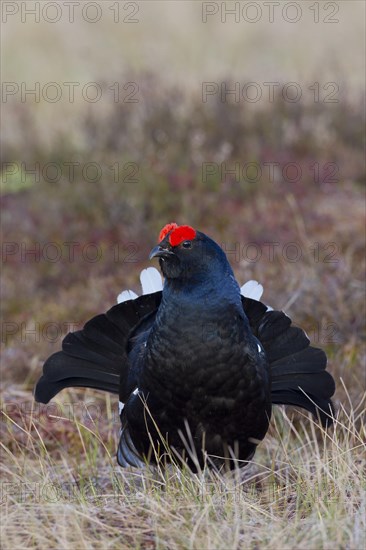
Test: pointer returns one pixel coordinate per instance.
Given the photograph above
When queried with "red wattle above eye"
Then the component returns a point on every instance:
(180, 234)
(166, 229)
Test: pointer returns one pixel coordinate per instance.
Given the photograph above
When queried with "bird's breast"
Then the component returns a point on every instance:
(203, 357)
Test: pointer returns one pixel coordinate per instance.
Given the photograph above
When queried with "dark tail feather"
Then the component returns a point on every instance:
(83, 362)
(95, 357)
(298, 370)
(323, 408)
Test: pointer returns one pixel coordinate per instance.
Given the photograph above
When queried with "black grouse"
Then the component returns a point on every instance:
(197, 365)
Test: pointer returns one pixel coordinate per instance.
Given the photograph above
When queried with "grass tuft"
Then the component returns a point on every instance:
(304, 489)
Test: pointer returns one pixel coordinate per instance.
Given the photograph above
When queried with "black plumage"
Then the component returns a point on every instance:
(197, 366)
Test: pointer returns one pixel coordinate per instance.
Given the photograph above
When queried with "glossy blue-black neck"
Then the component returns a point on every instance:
(209, 278)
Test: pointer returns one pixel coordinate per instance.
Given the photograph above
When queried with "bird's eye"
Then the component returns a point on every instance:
(187, 244)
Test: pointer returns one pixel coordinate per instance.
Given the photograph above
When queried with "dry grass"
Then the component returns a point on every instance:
(62, 489)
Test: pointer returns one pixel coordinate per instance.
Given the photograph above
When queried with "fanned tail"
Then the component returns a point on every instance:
(298, 370)
(96, 356)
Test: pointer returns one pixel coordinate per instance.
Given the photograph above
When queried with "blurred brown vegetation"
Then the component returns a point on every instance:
(162, 144)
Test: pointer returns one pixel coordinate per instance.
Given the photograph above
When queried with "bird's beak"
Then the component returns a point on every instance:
(160, 252)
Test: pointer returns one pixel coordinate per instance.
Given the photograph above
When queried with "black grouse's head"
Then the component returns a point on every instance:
(185, 253)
